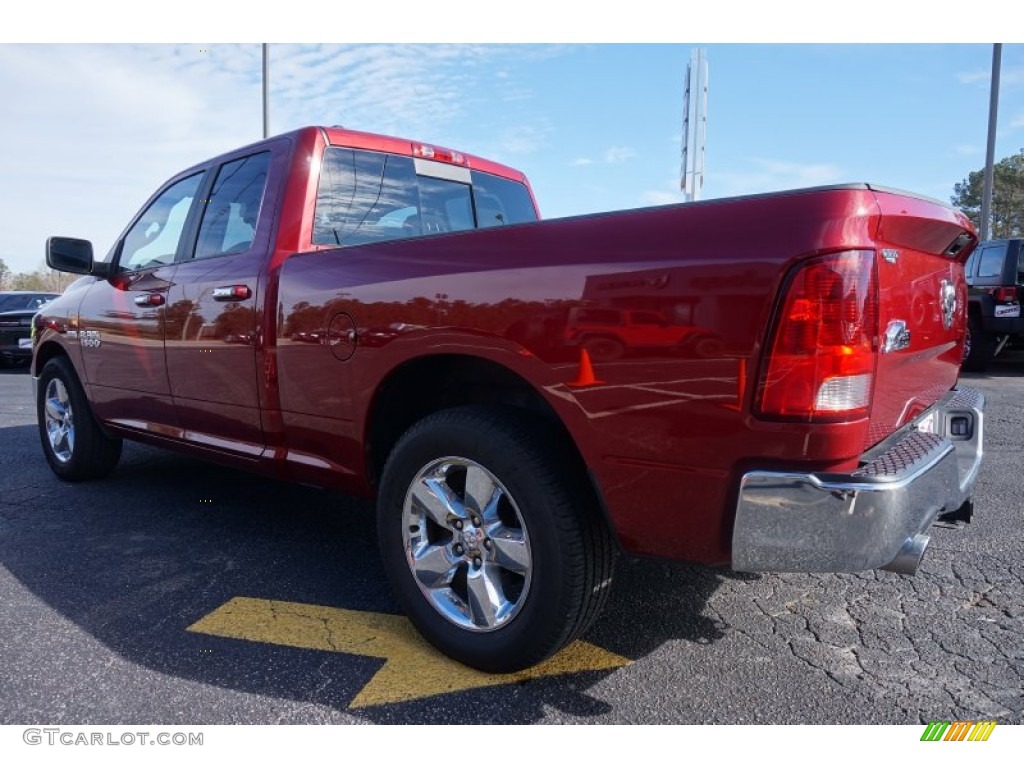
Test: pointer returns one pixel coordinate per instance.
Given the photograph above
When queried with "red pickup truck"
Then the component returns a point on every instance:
(390, 319)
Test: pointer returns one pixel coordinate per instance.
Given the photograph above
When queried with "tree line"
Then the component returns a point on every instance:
(1007, 197)
(41, 279)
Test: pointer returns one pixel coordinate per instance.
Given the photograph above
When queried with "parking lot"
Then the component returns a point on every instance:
(178, 592)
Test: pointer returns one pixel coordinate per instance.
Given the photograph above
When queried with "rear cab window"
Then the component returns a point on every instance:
(991, 261)
(367, 197)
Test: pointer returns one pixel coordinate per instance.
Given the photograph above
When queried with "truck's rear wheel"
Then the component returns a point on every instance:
(75, 446)
(489, 540)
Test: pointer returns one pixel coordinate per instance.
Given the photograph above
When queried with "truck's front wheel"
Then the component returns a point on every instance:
(75, 446)
(488, 538)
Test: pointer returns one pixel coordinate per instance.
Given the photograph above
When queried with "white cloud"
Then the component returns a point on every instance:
(619, 154)
(772, 175)
(1007, 77)
(966, 149)
(611, 156)
(99, 127)
(523, 139)
(976, 76)
(660, 197)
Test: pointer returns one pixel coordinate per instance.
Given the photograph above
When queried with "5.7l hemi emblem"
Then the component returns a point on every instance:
(947, 302)
(89, 338)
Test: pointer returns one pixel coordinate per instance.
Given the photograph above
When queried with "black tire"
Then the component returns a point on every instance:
(74, 444)
(603, 349)
(549, 564)
(979, 347)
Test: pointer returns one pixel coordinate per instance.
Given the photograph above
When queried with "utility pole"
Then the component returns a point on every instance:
(990, 153)
(266, 91)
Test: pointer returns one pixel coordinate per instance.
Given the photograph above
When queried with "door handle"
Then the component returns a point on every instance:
(150, 300)
(232, 293)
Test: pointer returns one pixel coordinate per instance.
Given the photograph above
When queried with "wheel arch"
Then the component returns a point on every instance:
(609, 335)
(47, 351)
(425, 385)
(980, 305)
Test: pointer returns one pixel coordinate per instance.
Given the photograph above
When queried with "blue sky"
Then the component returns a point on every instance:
(93, 129)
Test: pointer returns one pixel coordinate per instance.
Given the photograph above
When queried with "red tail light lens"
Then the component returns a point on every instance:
(823, 347)
(1006, 294)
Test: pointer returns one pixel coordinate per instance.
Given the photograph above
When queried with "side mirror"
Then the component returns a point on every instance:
(69, 254)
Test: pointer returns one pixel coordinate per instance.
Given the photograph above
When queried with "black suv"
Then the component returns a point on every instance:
(995, 278)
(16, 311)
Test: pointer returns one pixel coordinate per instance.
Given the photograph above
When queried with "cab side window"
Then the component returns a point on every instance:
(232, 210)
(153, 239)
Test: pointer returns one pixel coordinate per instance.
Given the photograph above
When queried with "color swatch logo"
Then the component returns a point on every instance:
(961, 730)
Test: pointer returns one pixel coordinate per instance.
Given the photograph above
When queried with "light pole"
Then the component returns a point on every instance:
(990, 153)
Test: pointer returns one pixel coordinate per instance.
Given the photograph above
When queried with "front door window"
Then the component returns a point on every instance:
(153, 239)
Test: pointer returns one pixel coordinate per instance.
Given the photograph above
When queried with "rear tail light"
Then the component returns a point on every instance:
(823, 346)
(1006, 295)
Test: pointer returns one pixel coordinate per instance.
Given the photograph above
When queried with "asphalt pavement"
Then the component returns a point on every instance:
(177, 592)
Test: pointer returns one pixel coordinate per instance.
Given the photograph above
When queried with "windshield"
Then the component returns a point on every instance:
(14, 301)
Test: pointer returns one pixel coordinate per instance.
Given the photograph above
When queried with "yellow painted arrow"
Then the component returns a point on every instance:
(413, 670)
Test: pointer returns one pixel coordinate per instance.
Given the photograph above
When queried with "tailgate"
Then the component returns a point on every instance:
(922, 246)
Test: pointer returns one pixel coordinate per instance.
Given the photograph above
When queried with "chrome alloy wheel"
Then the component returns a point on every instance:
(466, 544)
(60, 423)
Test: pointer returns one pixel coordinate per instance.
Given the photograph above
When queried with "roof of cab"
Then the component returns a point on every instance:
(343, 137)
(338, 136)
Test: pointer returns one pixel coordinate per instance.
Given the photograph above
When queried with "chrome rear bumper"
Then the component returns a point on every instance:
(874, 517)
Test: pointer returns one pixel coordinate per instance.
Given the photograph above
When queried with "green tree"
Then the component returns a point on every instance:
(1007, 197)
(5, 274)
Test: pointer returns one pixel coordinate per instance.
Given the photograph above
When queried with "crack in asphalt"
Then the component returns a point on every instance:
(948, 637)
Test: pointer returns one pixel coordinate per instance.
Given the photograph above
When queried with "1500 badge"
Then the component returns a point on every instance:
(89, 338)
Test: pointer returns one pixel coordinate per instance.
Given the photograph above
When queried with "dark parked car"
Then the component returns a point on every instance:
(995, 279)
(13, 300)
(16, 311)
